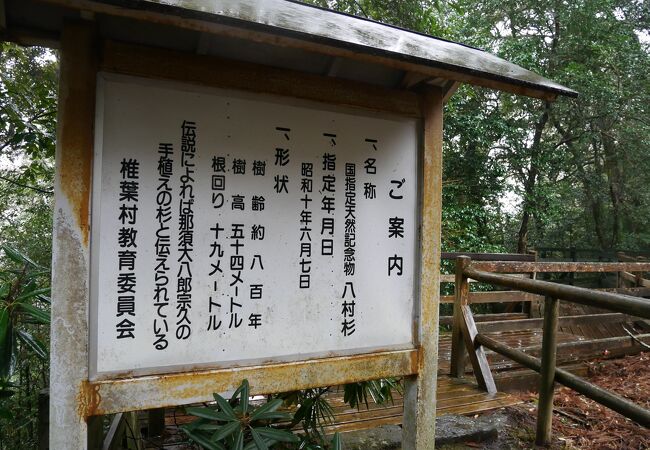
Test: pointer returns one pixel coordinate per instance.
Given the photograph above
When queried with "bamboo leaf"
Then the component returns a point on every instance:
(336, 442)
(203, 440)
(39, 315)
(252, 446)
(243, 390)
(225, 407)
(259, 441)
(6, 343)
(239, 440)
(226, 430)
(33, 293)
(19, 257)
(208, 413)
(273, 415)
(245, 393)
(271, 406)
(35, 344)
(278, 435)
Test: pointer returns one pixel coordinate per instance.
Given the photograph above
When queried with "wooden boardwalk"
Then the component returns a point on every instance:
(455, 396)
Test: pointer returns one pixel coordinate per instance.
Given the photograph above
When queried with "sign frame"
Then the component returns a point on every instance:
(387, 312)
(75, 400)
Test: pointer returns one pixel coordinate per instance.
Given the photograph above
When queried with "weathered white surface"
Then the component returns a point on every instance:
(311, 23)
(133, 118)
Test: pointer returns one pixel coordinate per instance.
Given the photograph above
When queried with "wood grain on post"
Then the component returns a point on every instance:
(476, 353)
(458, 355)
(420, 392)
(547, 373)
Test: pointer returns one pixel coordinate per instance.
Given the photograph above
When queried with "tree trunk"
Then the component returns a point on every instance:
(530, 184)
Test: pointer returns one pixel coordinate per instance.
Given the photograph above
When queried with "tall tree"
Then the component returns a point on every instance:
(28, 78)
(573, 152)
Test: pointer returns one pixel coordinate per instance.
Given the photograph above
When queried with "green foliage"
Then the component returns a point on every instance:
(24, 328)
(579, 166)
(238, 425)
(381, 392)
(28, 88)
(422, 15)
(24, 301)
(28, 109)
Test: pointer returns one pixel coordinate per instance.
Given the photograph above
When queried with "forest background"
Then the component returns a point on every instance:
(519, 173)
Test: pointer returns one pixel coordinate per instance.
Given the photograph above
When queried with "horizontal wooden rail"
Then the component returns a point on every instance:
(544, 267)
(481, 297)
(527, 324)
(614, 302)
(606, 398)
(489, 256)
(510, 317)
(495, 297)
(568, 351)
(448, 278)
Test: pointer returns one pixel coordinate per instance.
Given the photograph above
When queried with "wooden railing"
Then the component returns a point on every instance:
(469, 340)
(511, 297)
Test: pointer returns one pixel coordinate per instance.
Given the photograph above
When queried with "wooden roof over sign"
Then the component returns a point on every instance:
(287, 34)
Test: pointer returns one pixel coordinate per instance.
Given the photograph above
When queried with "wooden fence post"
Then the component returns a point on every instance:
(547, 373)
(43, 419)
(458, 355)
(95, 432)
(156, 422)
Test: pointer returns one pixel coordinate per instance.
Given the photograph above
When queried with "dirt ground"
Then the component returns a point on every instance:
(580, 423)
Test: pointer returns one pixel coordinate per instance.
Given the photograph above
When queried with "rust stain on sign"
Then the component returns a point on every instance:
(88, 400)
(75, 128)
(155, 391)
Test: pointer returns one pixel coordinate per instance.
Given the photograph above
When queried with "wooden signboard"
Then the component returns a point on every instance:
(233, 229)
(209, 230)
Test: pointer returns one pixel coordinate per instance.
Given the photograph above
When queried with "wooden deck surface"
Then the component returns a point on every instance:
(455, 396)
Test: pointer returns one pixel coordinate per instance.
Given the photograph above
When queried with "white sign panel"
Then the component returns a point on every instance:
(231, 229)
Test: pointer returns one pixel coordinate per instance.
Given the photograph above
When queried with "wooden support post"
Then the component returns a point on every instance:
(458, 355)
(70, 246)
(156, 422)
(95, 432)
(533, 307)
(419, 421)
(132, 433)
(476, 352)
(574, 257)
(547, 374)
(43, 419)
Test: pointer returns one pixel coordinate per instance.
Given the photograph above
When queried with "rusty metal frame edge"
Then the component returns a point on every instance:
(154, 391)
